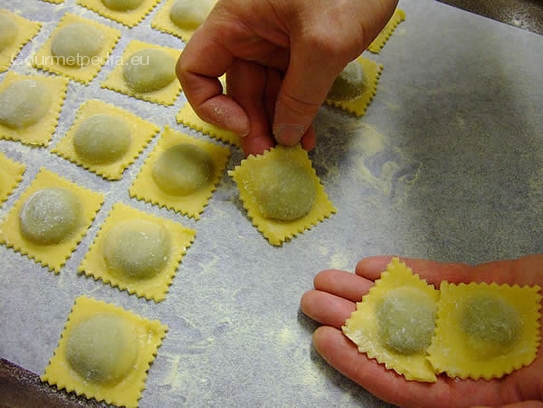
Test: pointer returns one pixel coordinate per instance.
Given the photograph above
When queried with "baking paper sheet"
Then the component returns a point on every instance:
(446, 164)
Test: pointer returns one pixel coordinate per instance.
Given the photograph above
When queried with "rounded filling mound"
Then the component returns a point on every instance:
(23, 103)
(183, 169)
(122, 5)
(349, 84)
(284, 191)
(493, 325)
(149, 70)
(102, 349)
(137, 248)
(102, 139)
(9, 31)
(406, 321)
(50, 216)
(190, 15)
(76, 44)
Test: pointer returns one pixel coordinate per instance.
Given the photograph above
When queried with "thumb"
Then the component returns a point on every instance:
(303, 90)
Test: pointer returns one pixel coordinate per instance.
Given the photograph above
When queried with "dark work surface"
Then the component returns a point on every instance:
(525, 14)
(21, 388)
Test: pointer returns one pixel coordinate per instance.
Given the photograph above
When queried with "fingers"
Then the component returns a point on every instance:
(304, 88)
(345, 284)
(199, 80)
(391, 387)
(247, 85)
(325, 308)
(523, 271)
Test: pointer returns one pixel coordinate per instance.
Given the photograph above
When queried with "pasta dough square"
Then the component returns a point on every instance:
(358, 106)
(379, 42)
(281, 192)
(485, 330)
(394, 323)
(163, 22)
(11, 174)
(105, 139)
(105, 353)
(166, 94)
(137, 252)
(49, 219)
(30, 107)
(181, 173)
(80, 61)
(17, 32)
(189, 118)
(121, 11)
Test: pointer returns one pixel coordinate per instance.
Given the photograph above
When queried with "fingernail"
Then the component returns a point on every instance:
(288, 135)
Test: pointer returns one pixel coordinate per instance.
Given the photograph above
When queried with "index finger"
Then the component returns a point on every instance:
(199, 75)
(523, 271)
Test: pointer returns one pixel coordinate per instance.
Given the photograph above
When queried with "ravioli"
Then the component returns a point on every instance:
(11, 174)
(77, 48)
(127, 12)
(485, 330)
(284, 190)
(137, 252)
(149, 70)
(122, 5)
(76, 44)
(16, 32)
(189, 118)
(102, 349)
(148, 73)
(23, 103)
(394, 323)
(181, 173)
(281, 193)
(30, 106)
(102, 139)
(49, 219)
(356, 86)
(105, 139)
(9, 31)
(349, 84)
(50, 216)
(182, 17)
(190, 15)
(379, 42)
(183, 169)
(104, 353)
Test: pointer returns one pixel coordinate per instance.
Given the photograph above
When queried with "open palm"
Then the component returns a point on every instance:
(334, 299)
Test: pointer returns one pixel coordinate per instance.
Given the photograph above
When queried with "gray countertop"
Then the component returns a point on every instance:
(446, 164)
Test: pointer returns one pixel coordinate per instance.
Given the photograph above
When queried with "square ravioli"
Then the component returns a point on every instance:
(147, 73)
(182, 17)
(30, 106)
(137, 252)
(16, 32)
(379, 42)
(394, 323)
(105, 139)
(181, 173)
(281, 192)
(49, 219)
(186, 116)
(11, 174)
(355, 86)
(485, 330)
(105, 353)
(127, 12)
(77, 48)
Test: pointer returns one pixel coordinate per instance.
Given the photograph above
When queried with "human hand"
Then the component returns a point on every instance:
(280, 58)
(334, 299)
